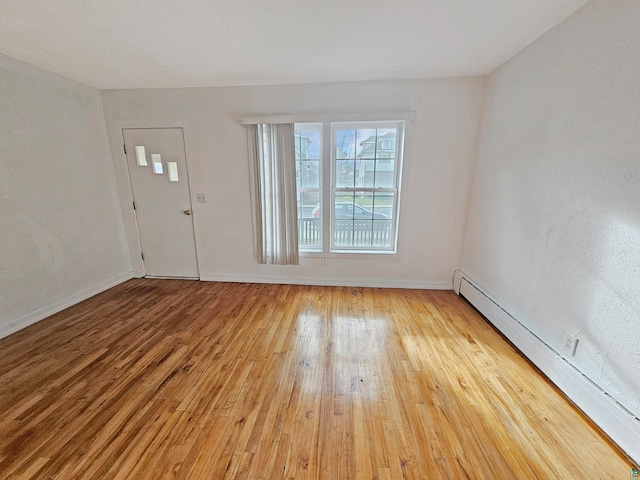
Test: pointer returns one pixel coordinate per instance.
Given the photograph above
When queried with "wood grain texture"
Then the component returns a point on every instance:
(170, 379)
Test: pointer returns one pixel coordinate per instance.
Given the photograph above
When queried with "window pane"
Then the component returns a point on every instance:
(309, 173)
(385, 157)
(366, 143)
(374, 152)
(365, 173)
(385, 173)
(382, 205)
(381, 234)
(345, 173)
(309, 219)
(363, 219)
(307, 143)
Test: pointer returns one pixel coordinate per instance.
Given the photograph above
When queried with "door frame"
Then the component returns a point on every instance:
(133, 197)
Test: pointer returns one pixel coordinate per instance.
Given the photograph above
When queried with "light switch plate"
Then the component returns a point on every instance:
(200, 198)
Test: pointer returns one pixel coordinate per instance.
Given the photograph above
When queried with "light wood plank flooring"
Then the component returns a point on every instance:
(160, 379)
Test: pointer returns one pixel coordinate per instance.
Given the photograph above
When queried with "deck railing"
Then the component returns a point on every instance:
(347, 233)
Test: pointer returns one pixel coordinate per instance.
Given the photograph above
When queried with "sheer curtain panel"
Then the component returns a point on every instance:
(273, 193)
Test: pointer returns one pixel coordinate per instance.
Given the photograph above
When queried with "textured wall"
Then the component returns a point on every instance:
(554, 222)
(61, 230)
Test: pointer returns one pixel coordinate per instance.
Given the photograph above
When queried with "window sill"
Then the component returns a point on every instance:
(361, 255)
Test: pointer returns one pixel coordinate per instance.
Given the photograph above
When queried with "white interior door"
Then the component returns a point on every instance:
(159, 180)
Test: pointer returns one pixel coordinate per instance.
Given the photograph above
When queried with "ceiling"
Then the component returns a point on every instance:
(170, 43)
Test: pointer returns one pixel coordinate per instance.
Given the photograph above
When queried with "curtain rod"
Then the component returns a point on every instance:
(328, 117)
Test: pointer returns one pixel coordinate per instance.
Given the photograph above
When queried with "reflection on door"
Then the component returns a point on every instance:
(162, 201)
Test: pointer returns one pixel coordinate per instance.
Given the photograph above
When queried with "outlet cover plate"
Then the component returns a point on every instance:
(570, 344)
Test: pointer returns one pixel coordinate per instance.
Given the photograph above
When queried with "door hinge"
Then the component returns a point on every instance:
(124, 147)
(142, 255)
(134, 205)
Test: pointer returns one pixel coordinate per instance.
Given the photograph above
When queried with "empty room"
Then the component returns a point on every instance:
(322, 240)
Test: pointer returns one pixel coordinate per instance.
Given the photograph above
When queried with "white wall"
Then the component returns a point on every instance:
(554, 222)
(61, 231)
(437, 172)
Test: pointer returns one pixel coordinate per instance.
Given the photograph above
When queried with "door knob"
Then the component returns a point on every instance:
(187, 212)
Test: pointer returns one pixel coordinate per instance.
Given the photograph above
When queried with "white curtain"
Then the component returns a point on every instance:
(273, 189)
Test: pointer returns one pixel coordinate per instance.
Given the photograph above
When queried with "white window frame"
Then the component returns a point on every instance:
(326, 170)
(320, 189)
(395, 189)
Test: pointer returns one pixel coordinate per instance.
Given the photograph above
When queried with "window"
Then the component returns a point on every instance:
(362, 161)
(308, 146)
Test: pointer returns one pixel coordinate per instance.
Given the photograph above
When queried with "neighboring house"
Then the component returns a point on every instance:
(375, 164)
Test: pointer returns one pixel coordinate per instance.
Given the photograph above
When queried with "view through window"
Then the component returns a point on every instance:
(362, 162)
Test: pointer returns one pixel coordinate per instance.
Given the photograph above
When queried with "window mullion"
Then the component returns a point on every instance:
(328, 181)
(365, 189)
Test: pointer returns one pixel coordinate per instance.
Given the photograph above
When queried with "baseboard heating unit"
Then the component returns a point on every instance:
(620, 424)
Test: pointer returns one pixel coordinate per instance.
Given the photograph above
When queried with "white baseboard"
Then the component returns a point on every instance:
(44, 312)
(621, 425)
(329, 282)
(457, 280)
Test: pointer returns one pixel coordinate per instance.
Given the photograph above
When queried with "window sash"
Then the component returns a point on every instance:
(399, 127)
(360, 226)
(310, 228)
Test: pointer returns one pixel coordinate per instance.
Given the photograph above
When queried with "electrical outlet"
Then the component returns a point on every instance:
(324, 261)
(200, 198)
(570, 344)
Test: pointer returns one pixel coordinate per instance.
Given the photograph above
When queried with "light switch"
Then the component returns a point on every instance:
(200, 198)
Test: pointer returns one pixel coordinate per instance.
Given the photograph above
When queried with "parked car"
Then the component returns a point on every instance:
(350, 211)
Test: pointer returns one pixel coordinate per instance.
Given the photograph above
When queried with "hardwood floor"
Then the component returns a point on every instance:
(160, 379)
